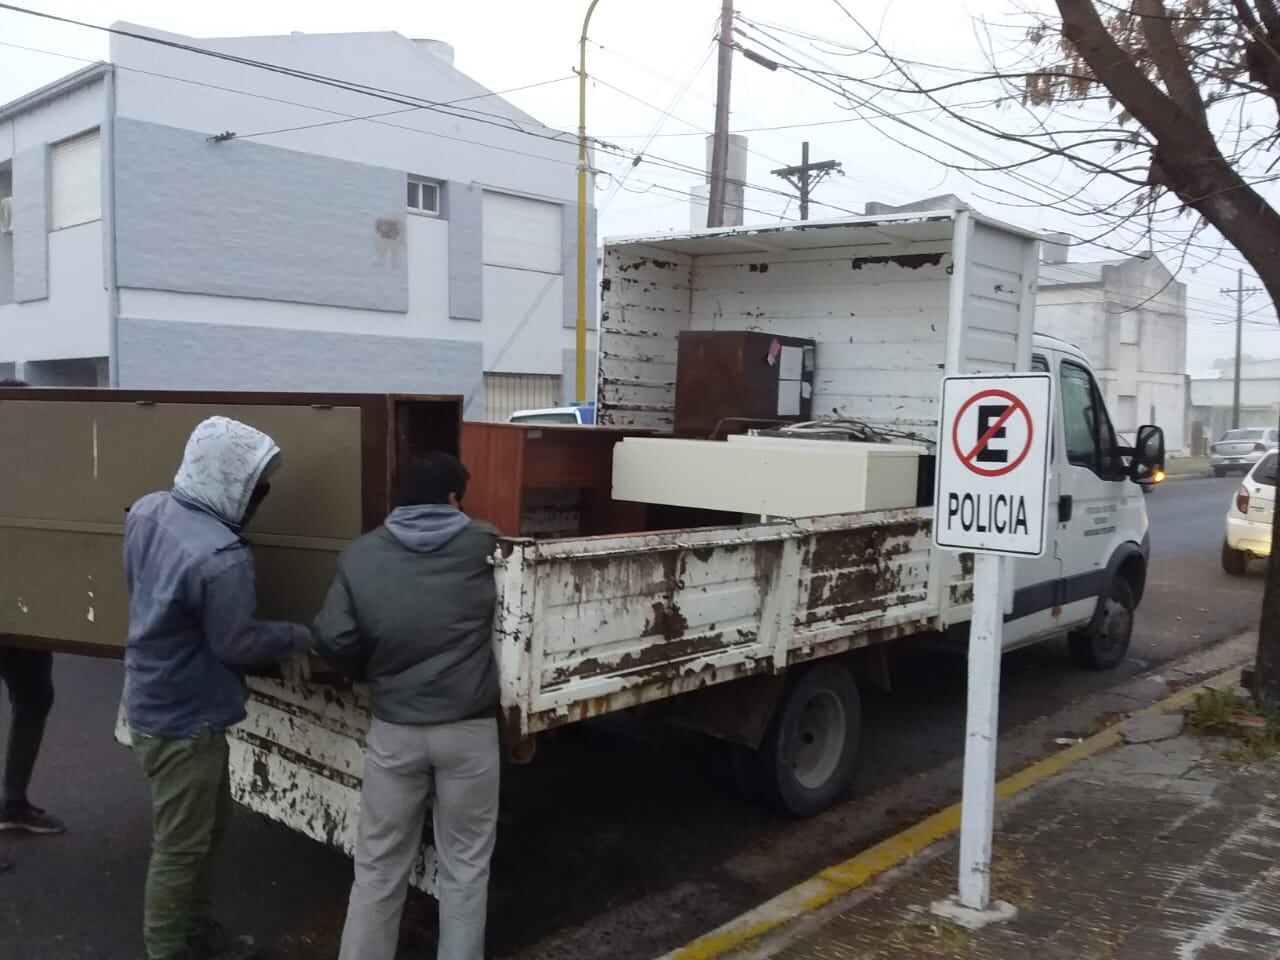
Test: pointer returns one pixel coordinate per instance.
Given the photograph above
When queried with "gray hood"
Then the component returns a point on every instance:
(223, 462)
(426, 527)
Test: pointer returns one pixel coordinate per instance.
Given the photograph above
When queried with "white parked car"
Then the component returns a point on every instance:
(1239, 450)
(1249, 517)
(579, 415)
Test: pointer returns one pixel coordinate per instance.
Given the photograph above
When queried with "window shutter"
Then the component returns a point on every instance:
(521, 233)
(76, 181)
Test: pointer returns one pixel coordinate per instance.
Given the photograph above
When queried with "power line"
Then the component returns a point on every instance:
(659, 162)
(406, 100)
(349, 86)
(388, 113)
(666, 115)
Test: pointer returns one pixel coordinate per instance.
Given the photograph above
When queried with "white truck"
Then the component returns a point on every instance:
(761, 633)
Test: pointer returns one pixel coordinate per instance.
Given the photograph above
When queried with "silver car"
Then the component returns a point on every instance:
(1239, 450)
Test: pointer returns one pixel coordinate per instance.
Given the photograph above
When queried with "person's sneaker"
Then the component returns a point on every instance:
(212, 942)
(31, 819)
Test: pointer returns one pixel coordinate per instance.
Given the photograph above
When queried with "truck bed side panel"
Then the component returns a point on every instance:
(590, 626)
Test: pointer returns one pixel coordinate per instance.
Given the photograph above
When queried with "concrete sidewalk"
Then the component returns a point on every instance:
(1148, 851)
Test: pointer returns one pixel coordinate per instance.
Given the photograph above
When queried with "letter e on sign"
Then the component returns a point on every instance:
(993, 464)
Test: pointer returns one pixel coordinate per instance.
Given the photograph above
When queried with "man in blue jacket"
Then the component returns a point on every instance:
(411, 613)
(191, 630)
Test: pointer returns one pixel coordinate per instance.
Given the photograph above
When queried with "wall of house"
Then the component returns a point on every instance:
(1074, 314)
(57, 303)
(301, 224)
(1133, 326)
(212, 356)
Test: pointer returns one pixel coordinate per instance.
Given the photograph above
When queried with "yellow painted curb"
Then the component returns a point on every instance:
(838, 880)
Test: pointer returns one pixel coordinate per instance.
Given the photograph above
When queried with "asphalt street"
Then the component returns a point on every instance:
(611, 845)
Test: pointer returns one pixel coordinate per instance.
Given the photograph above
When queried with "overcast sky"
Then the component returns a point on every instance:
(655, 70)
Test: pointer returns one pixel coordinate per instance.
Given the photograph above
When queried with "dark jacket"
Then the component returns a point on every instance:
(410, 612)
(192, 592)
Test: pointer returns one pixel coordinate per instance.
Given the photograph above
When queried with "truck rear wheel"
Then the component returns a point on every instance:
(805, 762)
(1105, 644)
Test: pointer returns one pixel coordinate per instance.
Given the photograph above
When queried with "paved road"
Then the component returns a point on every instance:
(611, 845)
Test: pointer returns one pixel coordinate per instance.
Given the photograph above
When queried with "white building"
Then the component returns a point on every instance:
(1130, 317)
(1213, 398)
(197, 221)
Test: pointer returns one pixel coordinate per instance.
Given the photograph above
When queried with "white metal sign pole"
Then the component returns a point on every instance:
(993, 449)
(977, 814)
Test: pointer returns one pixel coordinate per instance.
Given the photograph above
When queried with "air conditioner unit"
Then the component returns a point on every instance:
(6, 214)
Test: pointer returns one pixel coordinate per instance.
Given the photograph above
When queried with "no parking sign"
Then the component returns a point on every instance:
(993, 478)
(993, 464)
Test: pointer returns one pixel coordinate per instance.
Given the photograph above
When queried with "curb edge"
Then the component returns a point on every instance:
(840, 879)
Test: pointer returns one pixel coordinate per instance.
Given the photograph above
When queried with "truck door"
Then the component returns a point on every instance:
(1094, 493)
(1036, 579)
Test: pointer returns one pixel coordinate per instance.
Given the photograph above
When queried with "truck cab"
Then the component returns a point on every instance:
(1093, 572)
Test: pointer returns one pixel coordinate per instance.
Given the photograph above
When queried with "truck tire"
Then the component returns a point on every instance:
(1105, 644)
(1234, 562)
(806, 760)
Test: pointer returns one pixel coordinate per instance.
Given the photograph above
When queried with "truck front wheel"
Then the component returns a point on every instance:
(1105, 643)
(805, 762)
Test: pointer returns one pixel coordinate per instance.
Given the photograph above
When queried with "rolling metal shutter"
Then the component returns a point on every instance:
(521, 233)
(76, 181)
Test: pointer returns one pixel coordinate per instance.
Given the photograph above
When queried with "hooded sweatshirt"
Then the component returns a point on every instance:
(410, 612)
(192, 590)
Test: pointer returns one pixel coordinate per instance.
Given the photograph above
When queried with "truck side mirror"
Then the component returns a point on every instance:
(1147, 463)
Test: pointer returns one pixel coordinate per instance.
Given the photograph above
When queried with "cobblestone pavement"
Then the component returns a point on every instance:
(1152, 851)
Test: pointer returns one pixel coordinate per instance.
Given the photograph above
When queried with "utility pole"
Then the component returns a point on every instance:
(1240, 292)
(720, 148)
(807, 176)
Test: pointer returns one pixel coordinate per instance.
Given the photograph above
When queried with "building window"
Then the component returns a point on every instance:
(424, 196)
(75, 189)
(522, 233)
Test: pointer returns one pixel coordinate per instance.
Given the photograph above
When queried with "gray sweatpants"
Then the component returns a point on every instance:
(403, 766)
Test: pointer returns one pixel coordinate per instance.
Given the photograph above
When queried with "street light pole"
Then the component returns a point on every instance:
(580, 364)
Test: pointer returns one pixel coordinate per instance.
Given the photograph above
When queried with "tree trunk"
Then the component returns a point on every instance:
(1187, 161)
(1266, 667)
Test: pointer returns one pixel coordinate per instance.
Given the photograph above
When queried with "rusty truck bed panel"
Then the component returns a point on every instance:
(587, 627)
(590, 626)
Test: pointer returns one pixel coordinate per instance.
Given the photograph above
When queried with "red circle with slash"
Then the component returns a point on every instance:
(968, 459)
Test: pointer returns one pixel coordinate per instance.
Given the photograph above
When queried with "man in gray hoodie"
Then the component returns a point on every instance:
(192, 629)
(411, 614)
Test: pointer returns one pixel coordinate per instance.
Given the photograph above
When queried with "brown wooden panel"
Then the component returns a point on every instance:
(494, 454)
(506, 460)
(72, 461)
(570, 457)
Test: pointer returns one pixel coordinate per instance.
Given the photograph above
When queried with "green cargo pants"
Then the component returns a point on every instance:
(190, 809)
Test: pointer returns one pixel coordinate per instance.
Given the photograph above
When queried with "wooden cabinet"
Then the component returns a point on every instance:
(727, 380)
(545, 481)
